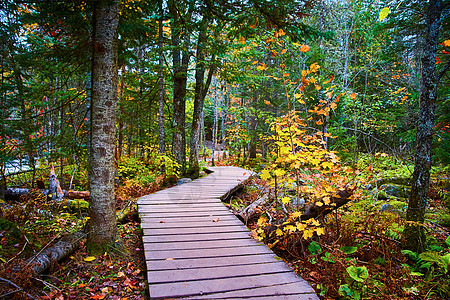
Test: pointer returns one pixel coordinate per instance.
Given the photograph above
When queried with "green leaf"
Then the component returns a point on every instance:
(349, 249)
(384, 13)
(411, 255)
(358, 273)
(344, 290)
(314, 248)
(447, 241)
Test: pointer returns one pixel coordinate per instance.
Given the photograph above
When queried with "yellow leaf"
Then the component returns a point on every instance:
(265, 175)
(446, 43)
(320, 231)
(279, 172)
(279, 232)
(90, 258)
(326, 200)
(286, 200)
(308, 233)
(384, 13)
(318, 203)
(304, 73)
(296, 214)
(297, 96)
(291, 228)
(301, 226)
(254, 62)
(327, 164)
(333, 105)
(242, 40)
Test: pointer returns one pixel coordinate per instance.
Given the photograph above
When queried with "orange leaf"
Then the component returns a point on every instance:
(283, 51)
(353, 96)
(304, 48)
(267, 102)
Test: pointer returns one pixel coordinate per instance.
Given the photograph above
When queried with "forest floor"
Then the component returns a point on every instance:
(358, 236)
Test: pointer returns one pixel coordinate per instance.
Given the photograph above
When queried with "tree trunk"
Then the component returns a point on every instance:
(102, 227)
(180, 65)
(253, 125)
(120, 121)
(414, 230)
(162, 147)
(201, 90)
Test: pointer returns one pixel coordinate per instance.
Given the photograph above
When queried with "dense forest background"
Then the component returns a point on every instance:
(299, 91)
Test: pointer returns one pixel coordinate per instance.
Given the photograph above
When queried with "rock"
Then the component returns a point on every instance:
(385, 207)
(396, 190)
(183, 180)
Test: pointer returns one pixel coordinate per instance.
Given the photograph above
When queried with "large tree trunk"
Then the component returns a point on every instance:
(414, 231)
(162, 147)
(102, 227)
(180, 65)
(201, 90)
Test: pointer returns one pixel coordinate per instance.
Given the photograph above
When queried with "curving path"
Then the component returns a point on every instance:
(195, 248)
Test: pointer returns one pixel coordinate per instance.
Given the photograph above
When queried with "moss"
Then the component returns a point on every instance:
(101, 248)
(445, 220)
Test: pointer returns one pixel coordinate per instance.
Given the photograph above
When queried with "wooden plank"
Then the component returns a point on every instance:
(187, 219)
(213, 214)
(205, 244)
(194, 237)
(199, 253)
(187, 209)
(190, 263)
(290, 291)
(195, 230)
(204, 287)
(166, 276)
(148, 224)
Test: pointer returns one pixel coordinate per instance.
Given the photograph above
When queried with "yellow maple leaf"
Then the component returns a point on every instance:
(291, 228)
(279, 232)
(296, 214)
(301, 226)
(265, 175)
(279, 172)
(320, 231)
(318, 203)
(308, 233)
(286, 200)
(446, 43)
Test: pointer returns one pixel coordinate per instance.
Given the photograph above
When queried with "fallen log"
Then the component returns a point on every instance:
(253, 209)
(315, 211)
(63, 248)
(14, 194)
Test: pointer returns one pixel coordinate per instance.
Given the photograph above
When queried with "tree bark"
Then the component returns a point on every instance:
(63, 248)
(162, 147)
(102, 227)
(415, 214)
(201, 90)
(180, 65)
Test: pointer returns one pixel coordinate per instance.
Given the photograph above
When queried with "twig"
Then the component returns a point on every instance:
(43, 248)
(26, 243)
(48, 284)
(16, 286)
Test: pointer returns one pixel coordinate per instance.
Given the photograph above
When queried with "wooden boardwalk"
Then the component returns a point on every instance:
(195, 248)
